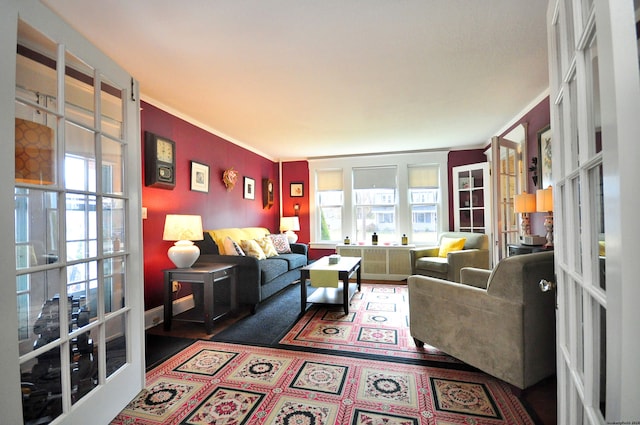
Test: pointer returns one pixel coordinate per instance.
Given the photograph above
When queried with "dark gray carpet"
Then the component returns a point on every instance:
(273, 318)
(158, 348)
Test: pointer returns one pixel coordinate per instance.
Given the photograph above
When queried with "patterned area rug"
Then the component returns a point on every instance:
(230, 384)
(377, 324)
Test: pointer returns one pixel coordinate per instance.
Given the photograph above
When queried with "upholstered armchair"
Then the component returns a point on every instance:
(497, 321)
(432, 261)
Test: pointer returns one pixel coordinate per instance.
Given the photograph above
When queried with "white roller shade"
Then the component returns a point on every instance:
(329, 179)
(424, 176)
(374, 178)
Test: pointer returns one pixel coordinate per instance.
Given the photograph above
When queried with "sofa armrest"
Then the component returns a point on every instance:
(475, 277)
(248, 287)
(299, 248)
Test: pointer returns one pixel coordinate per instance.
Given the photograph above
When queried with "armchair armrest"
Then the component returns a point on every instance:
(475, 277)
(416, 253)
(478, 258)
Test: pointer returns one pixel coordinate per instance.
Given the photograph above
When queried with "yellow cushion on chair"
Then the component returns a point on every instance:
(448, 245)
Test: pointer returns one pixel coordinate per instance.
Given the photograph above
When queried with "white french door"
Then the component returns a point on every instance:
(595, 116)
(74, 316)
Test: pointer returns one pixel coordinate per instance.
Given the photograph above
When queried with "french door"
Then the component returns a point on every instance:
(595, 116)
(74, 314)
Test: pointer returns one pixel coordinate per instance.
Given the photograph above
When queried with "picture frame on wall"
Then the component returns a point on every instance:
(199, 177)
(296, 190)
(544, 158)
(249, 188)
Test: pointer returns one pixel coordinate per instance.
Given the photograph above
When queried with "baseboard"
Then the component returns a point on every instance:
(155, 316)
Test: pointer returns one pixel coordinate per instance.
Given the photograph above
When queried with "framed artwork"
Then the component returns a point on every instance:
(249, 188)
(544, 157)
(199, 177)
(296, 190)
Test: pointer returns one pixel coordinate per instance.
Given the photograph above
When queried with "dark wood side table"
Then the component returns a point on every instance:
(518, 249)
(209, 276)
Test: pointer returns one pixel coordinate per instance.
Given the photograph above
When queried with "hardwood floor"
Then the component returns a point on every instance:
(541, 398)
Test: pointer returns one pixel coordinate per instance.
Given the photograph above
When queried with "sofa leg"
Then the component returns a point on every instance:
(254, 308)
(418, 343)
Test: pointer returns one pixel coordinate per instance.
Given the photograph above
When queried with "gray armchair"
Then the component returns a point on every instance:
(498, 321)
(425, 261)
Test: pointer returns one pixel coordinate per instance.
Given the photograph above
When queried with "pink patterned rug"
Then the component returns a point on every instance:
(377, 324)
(230, 384)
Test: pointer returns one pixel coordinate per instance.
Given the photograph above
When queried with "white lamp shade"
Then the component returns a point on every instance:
(525, 203)
(288, 225)
(544, 200)
(178, 227)
(183, 229)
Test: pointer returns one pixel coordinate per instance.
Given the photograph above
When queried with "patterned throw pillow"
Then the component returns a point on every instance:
(252, 249)
(231, 247)
(267, 246)
(281, 243)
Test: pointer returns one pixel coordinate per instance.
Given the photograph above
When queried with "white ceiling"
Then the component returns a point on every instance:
(294, 79)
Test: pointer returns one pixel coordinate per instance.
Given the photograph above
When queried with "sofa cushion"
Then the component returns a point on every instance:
(251, 248)
(267, 246)
(272, 267)
(294, 260)
(433, 264)
(281, 243)
(237, 234)
(231, 247)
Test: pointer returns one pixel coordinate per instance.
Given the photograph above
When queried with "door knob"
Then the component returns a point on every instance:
(546, 285)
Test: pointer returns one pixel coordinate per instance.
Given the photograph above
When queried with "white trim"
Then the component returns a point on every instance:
(155, 316)
(191, 120)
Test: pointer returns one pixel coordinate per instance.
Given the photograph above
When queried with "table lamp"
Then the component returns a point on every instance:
(183, 229)
(544, 203)
(524, 204)
(288, 225)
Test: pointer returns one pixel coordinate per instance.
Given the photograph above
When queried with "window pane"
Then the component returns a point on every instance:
(116, 344)
(36, 227)
(38, 317)
(41, 388)
(82, 285)
(331, 223)
(81, 232)
(80, 159)
(424, 224)
(111, 108)
(112, 167)
(114, 284)
(79, 92)
(379, 219)
(113, 226)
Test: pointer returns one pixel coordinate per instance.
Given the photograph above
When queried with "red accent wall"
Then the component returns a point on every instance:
(218, 208)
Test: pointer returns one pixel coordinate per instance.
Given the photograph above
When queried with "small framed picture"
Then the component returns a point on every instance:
(296, 190)
(199, 177)
(249, 188)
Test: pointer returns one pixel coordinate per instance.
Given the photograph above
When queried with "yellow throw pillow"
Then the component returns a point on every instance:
(267, 246)
(448, 245)
(251, 248)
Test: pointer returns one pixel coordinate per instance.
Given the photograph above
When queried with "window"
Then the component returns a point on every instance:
(424, 188)
(391, 195)
(375, 203)
(330, 203)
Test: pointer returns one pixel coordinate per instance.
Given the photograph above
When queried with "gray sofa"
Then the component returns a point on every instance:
(498, 321)
(425, 260)
(257, 279)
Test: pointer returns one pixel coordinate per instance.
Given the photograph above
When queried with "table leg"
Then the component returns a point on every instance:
(345, 292)
(207, 308)
(358, 276)
(304, 274)
(168, 302)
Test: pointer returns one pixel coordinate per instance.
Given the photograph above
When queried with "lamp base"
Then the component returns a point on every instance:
(291, 236)
(183, 254)
(548, 225)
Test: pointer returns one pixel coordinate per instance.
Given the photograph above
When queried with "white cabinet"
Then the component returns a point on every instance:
(384, 262)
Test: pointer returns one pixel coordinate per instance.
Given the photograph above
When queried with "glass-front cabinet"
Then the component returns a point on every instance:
(471, 206)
